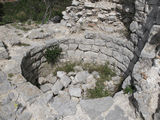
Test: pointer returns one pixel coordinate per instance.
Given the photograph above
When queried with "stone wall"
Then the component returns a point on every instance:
(32, 61)
(91, 46)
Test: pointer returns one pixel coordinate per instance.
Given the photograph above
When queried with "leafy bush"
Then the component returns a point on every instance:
(52, 54)
(128, 90)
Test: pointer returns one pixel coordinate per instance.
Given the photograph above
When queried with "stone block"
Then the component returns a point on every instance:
(85, 47)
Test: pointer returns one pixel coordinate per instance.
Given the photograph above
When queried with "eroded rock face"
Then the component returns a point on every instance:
(146, 71)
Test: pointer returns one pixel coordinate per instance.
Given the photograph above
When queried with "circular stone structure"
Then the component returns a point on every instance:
(91, 48)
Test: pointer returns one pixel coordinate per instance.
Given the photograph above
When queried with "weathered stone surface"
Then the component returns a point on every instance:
(25, 116)
(57, 87)
(3, 53)
(49, 79)
(133, 26)
(1, 44)
(101, 105)
(89, 5)
(64, 106)
(126, 82)
(116, 114)
(75, 2)
(84, 47)
(38, 34)
(46, 87)
(7, 111)
(60, 74)
(28, 91)
(75, 92)
(65, 80)
(100, 42)
(81, 77)
(90, 35)
(73, 46)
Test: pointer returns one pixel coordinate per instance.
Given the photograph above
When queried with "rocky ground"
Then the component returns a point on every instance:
(89, 32)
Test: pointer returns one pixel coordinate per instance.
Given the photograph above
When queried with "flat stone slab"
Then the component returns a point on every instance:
(57, 87)
(64, 106)
(116, 114)
(94, 107)
(65, 80)
(81, 77)
(75, 92)
(28, 91)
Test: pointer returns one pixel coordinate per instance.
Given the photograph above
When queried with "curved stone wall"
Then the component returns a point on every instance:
(91, 48)
(32, 61)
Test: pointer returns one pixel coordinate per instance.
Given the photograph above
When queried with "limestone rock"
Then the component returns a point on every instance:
(101, 105)
(38, 34)
(64, 106)
(90, 35)
(65, 80)
(126, 82)
(80, 77)
(133, 26)
(60, 74)
(3, 51)
(57, 87)
(28, 91)
(75, 92)
(75, 2)
(89, 5)
(46, 87)
(116, 114)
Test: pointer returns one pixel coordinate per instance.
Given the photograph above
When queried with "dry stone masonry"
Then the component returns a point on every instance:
(90, 32)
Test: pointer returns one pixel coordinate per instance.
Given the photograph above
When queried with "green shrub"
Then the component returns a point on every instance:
(128, 90)
(52, 54)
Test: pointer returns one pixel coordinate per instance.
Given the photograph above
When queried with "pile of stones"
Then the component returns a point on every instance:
(84, 14)
(75, 83)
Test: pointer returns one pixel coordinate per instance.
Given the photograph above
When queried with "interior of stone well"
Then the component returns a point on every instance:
(44, 75)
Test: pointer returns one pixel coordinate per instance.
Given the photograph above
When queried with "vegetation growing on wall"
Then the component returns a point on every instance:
(128, 89)
(52, 54)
